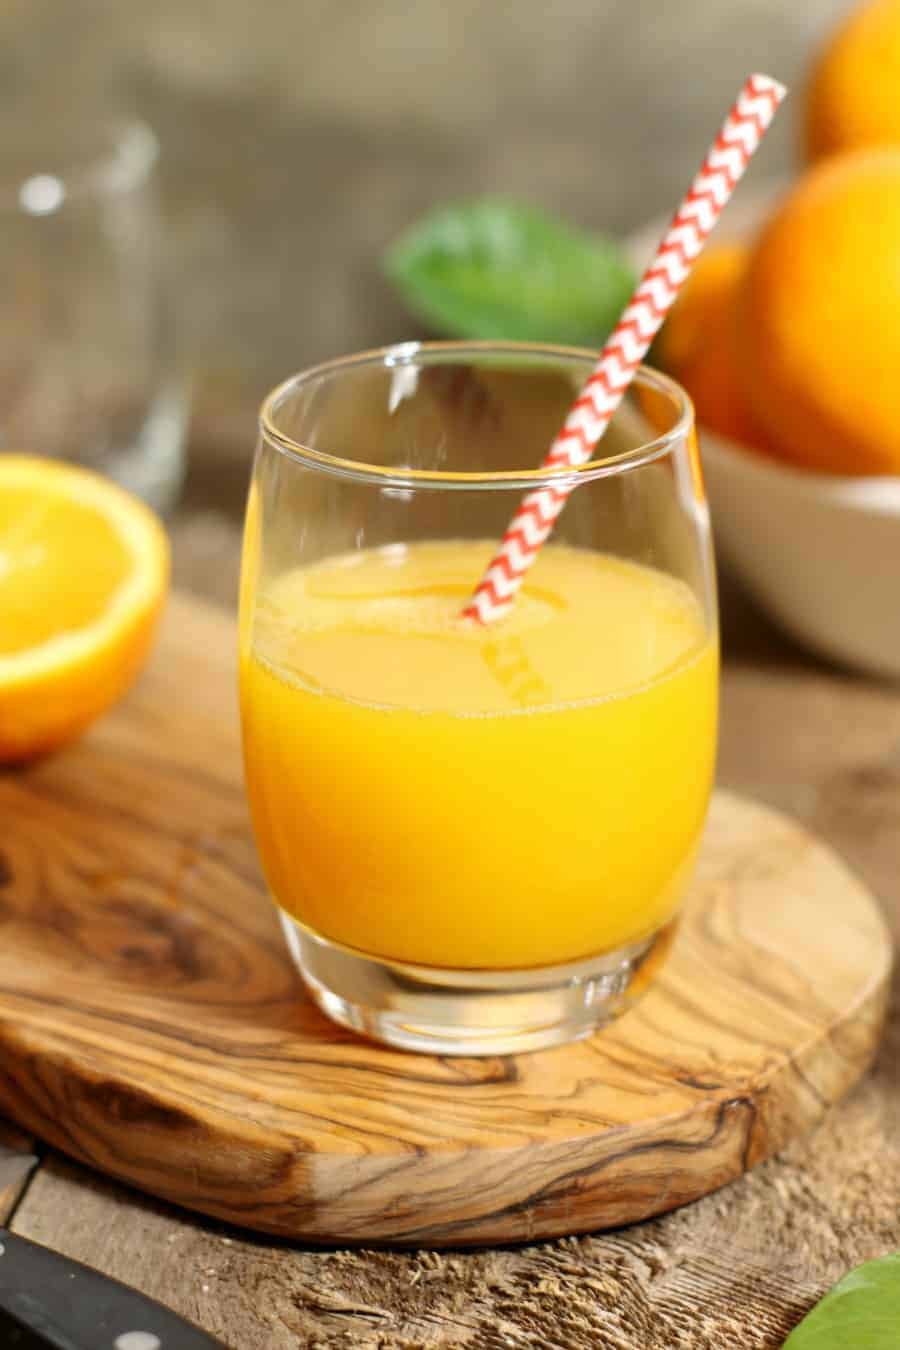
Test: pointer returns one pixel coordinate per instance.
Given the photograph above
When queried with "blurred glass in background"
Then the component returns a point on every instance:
(87, 361)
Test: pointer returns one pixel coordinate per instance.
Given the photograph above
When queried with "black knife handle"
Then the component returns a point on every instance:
(48, 1302)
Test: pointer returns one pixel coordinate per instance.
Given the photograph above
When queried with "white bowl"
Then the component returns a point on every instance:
(821, 553)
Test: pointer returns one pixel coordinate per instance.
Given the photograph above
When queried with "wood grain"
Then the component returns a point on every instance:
(151, 1024)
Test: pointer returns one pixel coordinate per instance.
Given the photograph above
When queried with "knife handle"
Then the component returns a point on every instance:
(49, 1302)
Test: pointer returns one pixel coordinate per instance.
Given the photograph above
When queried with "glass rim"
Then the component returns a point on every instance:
(124, 152)
(410, 353)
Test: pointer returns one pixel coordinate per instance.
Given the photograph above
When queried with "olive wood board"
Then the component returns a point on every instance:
(152, 1024)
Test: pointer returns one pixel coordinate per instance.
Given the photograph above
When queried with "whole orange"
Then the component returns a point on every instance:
(699, 342)
(854, 94)
(820, 318)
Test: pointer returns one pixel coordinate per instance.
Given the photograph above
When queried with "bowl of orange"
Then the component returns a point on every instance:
(804, 506)
(787, 337)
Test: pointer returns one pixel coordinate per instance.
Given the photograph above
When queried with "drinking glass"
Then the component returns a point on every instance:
(478, 837)
(87, 369)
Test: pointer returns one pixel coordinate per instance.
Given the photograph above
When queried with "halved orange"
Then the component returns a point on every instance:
(84, 568)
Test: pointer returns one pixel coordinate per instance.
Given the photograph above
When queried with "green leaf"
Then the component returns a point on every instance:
(495, 269)
(862, 1312)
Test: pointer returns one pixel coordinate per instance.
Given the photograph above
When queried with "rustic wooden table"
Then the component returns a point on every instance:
(734, 1270)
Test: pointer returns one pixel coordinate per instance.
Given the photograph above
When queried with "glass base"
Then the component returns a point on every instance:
(471, 1012)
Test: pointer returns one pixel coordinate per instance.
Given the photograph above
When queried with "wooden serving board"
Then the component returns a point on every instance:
(151, 1023)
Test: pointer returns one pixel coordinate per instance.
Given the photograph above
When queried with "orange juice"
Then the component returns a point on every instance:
(428, 791)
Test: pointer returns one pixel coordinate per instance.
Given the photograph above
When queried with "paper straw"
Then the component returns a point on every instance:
(590, 415)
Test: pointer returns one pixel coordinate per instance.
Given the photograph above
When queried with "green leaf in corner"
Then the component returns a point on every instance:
(862, 1312)
(494, 269)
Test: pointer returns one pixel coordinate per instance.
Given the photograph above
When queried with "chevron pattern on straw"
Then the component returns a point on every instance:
(590, 415)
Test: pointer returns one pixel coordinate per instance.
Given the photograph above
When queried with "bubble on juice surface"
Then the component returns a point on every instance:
(409, 592)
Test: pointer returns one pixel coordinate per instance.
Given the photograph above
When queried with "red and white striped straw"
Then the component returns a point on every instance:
(590, 415)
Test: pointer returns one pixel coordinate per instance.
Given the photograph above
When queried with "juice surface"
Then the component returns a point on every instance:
(518, 795)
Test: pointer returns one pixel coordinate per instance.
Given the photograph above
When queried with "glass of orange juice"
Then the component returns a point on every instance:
(478, 838)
